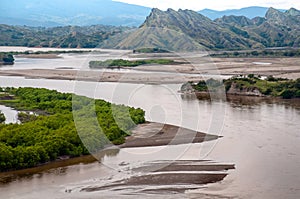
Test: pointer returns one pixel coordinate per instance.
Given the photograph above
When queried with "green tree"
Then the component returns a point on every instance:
(2, 117)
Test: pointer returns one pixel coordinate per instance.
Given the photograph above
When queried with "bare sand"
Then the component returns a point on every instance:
(167, 176)
(100, 76)
(156, 134)
(278, 67)
(171, 176)
(40, 56)
(157, 74)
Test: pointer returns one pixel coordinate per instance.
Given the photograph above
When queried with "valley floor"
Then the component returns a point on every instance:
(194, 69)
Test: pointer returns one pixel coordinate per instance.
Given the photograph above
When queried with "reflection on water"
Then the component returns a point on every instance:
(60, 167)
(11, 115)
(245, 101)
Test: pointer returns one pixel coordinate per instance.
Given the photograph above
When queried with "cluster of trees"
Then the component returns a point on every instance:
(127, 63)
(271, 86)
(2, 117)
(150, 50)
(209, 85)
(65, 125)
(6, 58)
(260, 53)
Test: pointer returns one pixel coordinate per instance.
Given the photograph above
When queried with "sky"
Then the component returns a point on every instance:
(214, 4)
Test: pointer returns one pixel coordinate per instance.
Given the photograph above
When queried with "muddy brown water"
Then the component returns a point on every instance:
(259, 137)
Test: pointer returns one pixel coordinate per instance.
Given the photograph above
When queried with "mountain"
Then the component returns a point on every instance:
(276, 29)
(169, 26)
(166, 29)
(83, 13)
(293, 12)
(249, 12)
(182, 30)
(71, 12)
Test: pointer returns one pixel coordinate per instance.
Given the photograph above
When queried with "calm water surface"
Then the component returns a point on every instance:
(11, 115)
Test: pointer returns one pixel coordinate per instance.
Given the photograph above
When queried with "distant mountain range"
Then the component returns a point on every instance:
(170, 30)
(249, 12)
(71, 12)
(91, 12)
(166, 29)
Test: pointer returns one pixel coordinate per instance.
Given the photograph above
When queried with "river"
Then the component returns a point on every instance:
(64, 60)
(11, 115)
(261, 137)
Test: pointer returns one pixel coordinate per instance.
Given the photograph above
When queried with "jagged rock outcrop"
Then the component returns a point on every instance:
(235, 90)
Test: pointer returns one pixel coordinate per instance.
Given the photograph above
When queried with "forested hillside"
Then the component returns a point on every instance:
(58, 37)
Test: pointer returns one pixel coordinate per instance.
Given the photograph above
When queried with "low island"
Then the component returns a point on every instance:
(118, 63)
(247, 86)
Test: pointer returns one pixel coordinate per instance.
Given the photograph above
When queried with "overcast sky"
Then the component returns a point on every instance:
(214, 4)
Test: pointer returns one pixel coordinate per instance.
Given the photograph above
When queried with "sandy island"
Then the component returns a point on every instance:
(168, 173)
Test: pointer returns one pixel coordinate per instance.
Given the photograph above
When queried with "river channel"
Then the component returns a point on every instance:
(261, 137)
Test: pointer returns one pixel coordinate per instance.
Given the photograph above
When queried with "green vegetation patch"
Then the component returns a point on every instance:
(276, 87)
(150, 50)
(6, 58)
(127, 63)
(259, 53)
(52, 134)
(2, 117)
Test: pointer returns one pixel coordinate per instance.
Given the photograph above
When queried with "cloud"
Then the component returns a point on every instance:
(214, 4)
